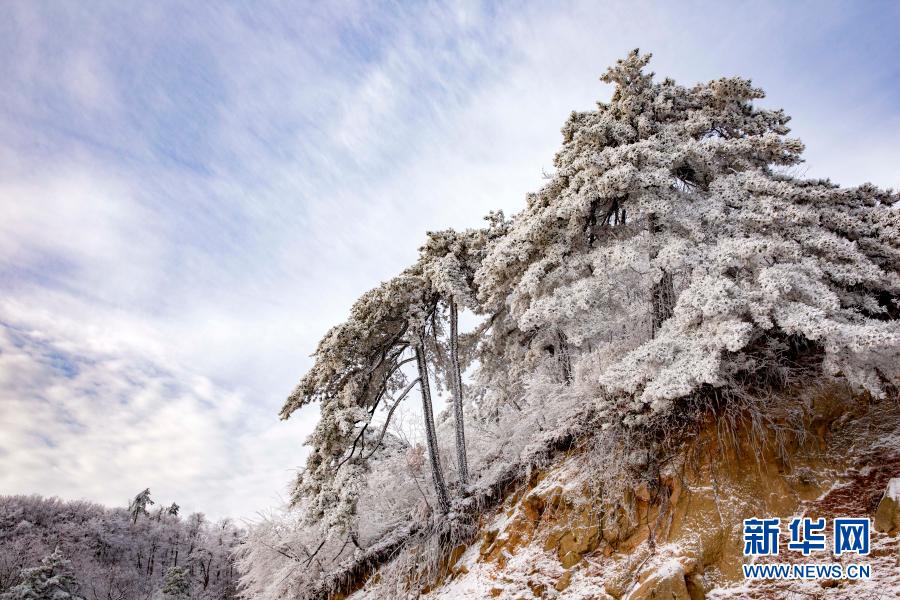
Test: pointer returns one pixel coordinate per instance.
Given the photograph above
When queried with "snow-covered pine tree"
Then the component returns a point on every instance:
(358, 367)
(177, 583)
(449, 260)
(138, 506)
(51, 580)
(672, 250)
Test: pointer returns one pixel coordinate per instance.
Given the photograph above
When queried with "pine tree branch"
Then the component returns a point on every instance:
(390, 414)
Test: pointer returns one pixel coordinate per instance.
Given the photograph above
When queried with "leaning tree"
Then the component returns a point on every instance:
(138, 506)
(358, 368)
(449, 260)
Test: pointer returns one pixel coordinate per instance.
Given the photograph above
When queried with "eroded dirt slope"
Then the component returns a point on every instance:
(679, 535)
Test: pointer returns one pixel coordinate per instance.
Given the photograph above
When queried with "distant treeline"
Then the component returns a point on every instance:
(113, 553)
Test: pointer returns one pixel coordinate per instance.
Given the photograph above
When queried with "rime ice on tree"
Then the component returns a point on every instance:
(670, 256)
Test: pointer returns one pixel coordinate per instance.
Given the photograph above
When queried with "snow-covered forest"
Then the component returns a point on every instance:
(55, 549)
(673, 263)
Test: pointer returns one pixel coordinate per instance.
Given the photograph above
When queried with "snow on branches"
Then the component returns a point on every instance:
(358, 368)
(668, 240)
(669, 252)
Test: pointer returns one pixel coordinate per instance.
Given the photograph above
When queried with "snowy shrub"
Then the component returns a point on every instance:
(51, 580)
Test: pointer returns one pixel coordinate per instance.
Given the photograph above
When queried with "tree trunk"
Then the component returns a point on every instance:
(565, 359)
(437, 474)
(206, 572)
(456, 375)
(151, 562)
(662, 294)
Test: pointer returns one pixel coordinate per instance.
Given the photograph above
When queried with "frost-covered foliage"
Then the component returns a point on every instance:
(51, 580)
(670, 256)
(177, 583)
(358, 365)
(667, 184)
(95, 552)
(277, 560)
(359, 368)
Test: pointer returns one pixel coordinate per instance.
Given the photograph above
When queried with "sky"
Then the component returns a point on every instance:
(190, 196)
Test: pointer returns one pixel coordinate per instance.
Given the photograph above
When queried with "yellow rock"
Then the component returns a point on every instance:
(567, 552)
(668, 583)
(695, 587)
(564, 581)
(456, 553)
(552, 541)
(537, 588)
(887, 516)
(533, 506)
(642, 492)
(555, 499)
(569, 560)
(487, 540)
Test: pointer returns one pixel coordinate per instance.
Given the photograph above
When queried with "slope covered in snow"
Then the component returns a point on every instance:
(680, 536)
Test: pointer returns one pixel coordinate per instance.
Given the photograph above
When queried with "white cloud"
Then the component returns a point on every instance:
(80, 229)
(80, 422)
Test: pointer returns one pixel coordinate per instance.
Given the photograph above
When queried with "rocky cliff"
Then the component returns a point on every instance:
(674, 529)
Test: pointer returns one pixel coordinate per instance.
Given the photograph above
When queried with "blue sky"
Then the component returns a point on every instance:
(192, 195)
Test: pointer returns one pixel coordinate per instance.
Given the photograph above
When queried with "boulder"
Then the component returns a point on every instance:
(887, 515)
(568, 553)
(537, 588)
(666, 583)
(552, 541)
(564, 581)
(487, 541)
(533, 506)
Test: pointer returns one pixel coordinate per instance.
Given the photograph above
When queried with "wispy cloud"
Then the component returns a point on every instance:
(191, 197)
(83, 421)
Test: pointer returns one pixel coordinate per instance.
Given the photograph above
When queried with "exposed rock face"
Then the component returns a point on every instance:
(667, 583)
(678, 533)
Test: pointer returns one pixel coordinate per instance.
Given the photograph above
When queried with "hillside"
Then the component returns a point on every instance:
(678, 534)
(675, 334)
